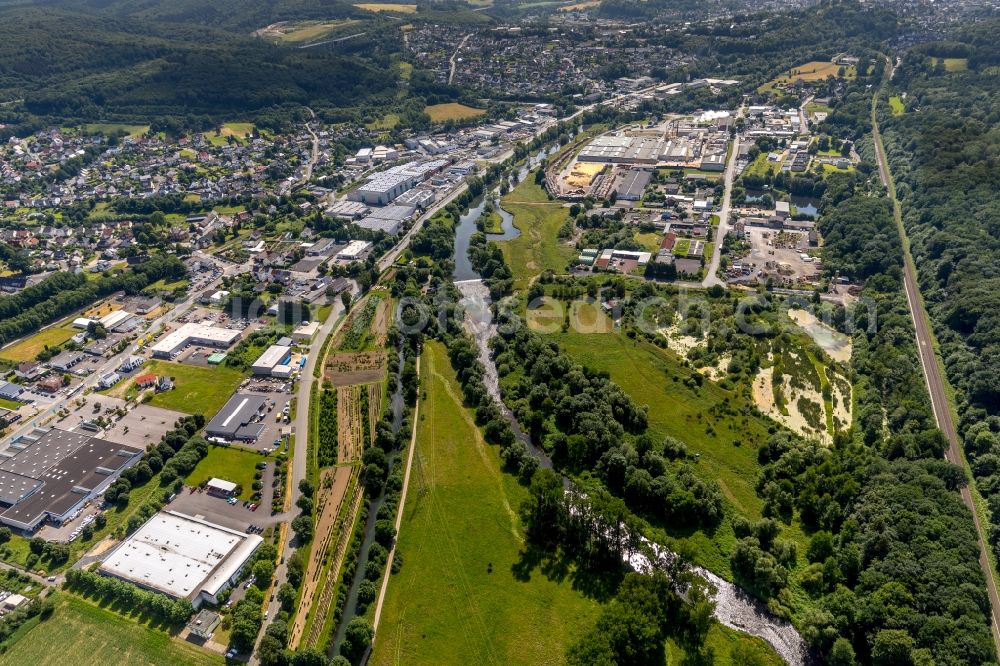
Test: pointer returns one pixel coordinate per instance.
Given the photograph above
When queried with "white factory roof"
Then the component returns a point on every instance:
(181, 556)
(353, 249)
(82, 322)
(306, 330)
(272, 356)
(189, 331)
(221, 484)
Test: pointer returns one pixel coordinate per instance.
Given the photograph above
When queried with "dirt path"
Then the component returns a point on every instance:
(333, 487)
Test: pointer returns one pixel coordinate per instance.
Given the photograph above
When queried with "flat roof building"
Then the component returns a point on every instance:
(306, 332)
(355, 250)
(210, 336)
(238, 419)
(182, 557)
(49, 474)
(273, 356)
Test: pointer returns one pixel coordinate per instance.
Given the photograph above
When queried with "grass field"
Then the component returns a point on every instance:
(897, 106)
(444, 606)
(311, 30)
(196, 389)
(648, 373)
(108, 128)
(649, 241)
(760, 166)
(538, 247)
(82, 634)
(228, 463)
(237, 130)
(952, 64)
(28, 349)
(723, 642)
(440, 113)
(387, 7)
(580, 6)
(815, 70)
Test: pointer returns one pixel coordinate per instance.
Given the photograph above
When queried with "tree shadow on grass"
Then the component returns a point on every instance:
(598, 584)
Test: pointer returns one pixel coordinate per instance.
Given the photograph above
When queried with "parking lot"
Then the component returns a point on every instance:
(275, 421)
(200, 504)
(142, 425)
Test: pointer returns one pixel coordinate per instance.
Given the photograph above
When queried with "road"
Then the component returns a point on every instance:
(300, 454)
(453, 60)
(933, 375)
(307, 171)
(713, 266)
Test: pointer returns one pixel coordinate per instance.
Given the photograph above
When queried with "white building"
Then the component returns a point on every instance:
(381, 188)
(210, 336)
(272, 357)
(354, 251)
(182, 557)
(306, 332)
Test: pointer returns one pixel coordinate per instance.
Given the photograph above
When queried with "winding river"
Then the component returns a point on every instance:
(734, 607)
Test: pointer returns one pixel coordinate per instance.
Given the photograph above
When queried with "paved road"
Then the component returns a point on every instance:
(933, 375)
(454, 58)
(301, 450)
(713, 265)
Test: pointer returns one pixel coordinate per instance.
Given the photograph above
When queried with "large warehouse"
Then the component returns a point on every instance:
(182, 557)
(174, 342)
(240, 419)
(273, 357)
(50, 473)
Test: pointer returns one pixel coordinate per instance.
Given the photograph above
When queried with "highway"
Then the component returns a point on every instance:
(933, 375)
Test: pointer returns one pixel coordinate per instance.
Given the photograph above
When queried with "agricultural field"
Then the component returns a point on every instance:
(228, 463)
(440, 113)
(538, 248)
(29, 348)
(195, 388)
(815, 70)
(952, 64)
(352, 411)
(344, 369)
(331, 494)
(305, 31)
(386, 7)
(457, 598)
(580, 6)
(82, 634)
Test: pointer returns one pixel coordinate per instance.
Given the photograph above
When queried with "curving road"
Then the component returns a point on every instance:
(933, 376)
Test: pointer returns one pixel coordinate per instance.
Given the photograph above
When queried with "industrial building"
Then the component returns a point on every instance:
(622, 150)
(387, 220)
(632, 185)
(182, 557)
(210, 336)
(354, 251)
(382, 187)
(240, 419)
(305, 333)
(273, 357)
(49, 473)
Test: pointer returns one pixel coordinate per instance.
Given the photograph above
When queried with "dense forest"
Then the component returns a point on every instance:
(943, 150)
(112, 65)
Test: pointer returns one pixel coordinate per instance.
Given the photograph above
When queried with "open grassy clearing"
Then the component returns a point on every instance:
(196, 389)
(229, 463)
(238, 131)
(386, 7)
(649, 241)
(729, 648)
(725, 439)
(897, 106)
(311, 30)
(111, 128)
(444, 606)
(760, 166)
(440, 113)
(815, 70)
(29, 348)
(952, 64)
(83, 634)
(538, 248)
(580, 6)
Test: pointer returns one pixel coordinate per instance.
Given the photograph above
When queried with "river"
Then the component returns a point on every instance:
(734, 607)
(396, 405)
